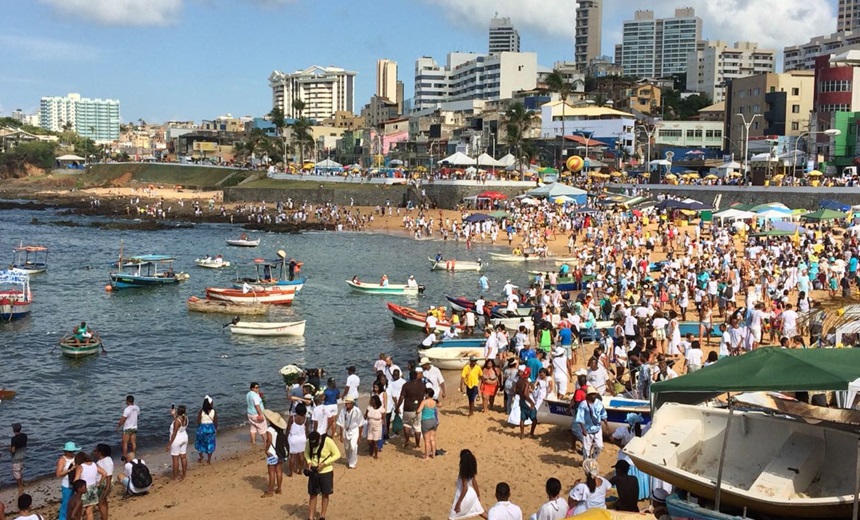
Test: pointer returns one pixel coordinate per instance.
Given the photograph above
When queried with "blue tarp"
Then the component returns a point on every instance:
(781, 225)
(835, 205)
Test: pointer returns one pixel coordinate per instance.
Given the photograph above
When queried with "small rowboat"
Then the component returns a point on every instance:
(451, 358)
(211, 263)
(286, 328)
(243, 242)
(279, 297)
(555, 411)
(374, 288)
(407, 318)
(73, 349)
(455, 265)
(196, 304)
(499, 257)
(6, 394)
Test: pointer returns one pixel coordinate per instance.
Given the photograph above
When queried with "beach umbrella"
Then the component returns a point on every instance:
(815, 173)
(492, 195)
(477, 217)
(735, 175)
(711, 177)
(671, 176)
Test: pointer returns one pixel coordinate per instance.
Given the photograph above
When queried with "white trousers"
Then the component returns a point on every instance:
(592, 445)
(350, 446)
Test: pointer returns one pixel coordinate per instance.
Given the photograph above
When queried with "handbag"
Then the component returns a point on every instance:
(397, 424)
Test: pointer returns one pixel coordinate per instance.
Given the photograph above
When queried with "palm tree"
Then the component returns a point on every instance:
(299, 106)
(518, 120)
(556, 82)
(278, 119)
(303, 138)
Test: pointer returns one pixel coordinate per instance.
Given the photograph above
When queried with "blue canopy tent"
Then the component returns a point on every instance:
(835, 205)
(781, 225)
(477, 217)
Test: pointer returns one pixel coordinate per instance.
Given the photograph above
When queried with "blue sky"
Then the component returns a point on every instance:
(197, 59)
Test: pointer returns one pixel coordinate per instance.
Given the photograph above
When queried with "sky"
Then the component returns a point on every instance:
(198, 59)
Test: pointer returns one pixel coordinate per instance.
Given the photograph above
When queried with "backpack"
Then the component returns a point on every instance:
(140, 477)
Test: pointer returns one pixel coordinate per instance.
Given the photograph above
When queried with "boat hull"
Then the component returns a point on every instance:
(237, 296)
(467, 343)
(554, 411)
(31, 268)
(407, 318)
(296, 328)
(195, 304)
(69, 349)
(210, 264)
(379, 289)
(12, 308)
(243, 243)
(124, 281)
(692, 327)
(454, 265)
(774, 465)
(451, 359)
(680, 508)
(296, 284)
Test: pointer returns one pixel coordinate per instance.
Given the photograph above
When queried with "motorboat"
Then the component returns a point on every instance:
(145, 271)
(392, 288)
(243, 241)
(254, 328)
(455, 265)
(209, 262)
(267, 273)
(30, 259)
(15, 294)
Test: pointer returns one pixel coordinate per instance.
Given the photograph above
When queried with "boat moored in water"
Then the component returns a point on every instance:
(243, 241)
(196, 304)
(15, 295)
(393, 288)
(268, 273)
(268, 295)
(145, 271)
(455, 265)
(30, 259)
(209, 262)
(255, 328)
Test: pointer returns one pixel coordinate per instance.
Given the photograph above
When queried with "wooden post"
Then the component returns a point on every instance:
(857, 483)
(717, 492)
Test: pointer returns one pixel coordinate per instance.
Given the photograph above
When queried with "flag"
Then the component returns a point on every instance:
(246, 288)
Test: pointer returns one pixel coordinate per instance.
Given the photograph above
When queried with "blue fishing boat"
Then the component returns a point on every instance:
(30, 259)
(680, 508)
(145, 271)
(460, 343)
(556, 411)
(270, 272)
(15, 295)
(692, 327)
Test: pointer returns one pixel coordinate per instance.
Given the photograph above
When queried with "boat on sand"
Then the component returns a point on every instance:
(451, 358)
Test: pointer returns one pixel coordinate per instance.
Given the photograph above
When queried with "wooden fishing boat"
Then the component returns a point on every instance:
(392, 288)
(6, 394)
(253, 328)
(406, 318)
(455, 265)
(211, 263)
(15, 295)
(773, 465)
(243, 241)
(462, 303)
(279, 297)
(196, 304)
(451, 358)
(555, 411)
(73, 349)
(267, 273)
(499, 257)
(30, 259)
(145, 271)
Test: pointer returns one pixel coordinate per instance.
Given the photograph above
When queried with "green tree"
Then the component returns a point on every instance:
(299, 106)
(36, 153)
(303, 138)
(517, 122)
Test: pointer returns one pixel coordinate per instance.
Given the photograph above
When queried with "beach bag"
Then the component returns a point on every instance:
(515, 416)
(397, 424)
(140, 477)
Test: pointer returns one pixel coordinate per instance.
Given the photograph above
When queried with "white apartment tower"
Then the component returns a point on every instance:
(386, 80)
(503, 36)
(714, 63)
(96, 119)
(848, 15)
(589, 23)
(659, 47)
(324, 90)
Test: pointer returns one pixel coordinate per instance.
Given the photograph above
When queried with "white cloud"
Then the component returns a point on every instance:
(771, 23)
(120, 12)
(551, 17)
(47, 49)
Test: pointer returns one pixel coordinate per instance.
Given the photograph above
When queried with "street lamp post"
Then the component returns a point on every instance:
(649, 134)
(830, 132)
(747, 125)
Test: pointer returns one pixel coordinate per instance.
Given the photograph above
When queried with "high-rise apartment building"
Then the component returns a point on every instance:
(324, 90)
(848, 18)
(468, 76)
(589, 23)
(386, 80)
(659, 47)
(503, 36)
(96, 119)
(714, 63)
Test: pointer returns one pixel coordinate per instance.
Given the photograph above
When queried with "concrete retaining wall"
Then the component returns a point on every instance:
(793, 197)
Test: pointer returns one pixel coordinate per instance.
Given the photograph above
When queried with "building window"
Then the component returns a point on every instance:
(795, 125)
(795, 91)
(690, 134)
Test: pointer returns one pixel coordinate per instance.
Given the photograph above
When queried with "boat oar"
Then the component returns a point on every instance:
(102, 345)
(234, 322)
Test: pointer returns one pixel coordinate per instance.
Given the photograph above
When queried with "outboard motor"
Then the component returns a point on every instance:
(420, 288)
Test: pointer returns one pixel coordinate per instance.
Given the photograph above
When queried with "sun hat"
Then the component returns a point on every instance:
(425, 361)
(591, 467)
(659, 495)
(591, 390)
(472, 358)
(581, 372)
(522, 368)
(349, 400)
(275, 419)
(71, 446)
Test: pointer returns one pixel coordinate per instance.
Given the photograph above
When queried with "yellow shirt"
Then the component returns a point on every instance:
(472, 375)
(327, 456)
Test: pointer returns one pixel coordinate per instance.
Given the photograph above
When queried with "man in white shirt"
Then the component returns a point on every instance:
(508, 289)
(128, 423)
(125, 478)
(481, 320)
(504, 509)
(556, 507)
(511, 308)
(430, 322)
(491, 346)
(352, 382)
(429, 340)
(451, 333)
(434, 376)
(789, 322)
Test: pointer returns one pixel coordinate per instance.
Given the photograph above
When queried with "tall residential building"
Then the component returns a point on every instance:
(324, 90)
(503, 36)
(802, 57)
(386, 80)
(659, 47)
(468, 76)
(849, 15)
(96, 119)
(714, 63)
(589, 24)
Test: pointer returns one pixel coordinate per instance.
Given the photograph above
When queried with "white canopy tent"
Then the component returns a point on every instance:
(487, 160)
(328, 163)
(773, 214)
(734, 214)
(508, 160)
(70, 157)
(458, 159)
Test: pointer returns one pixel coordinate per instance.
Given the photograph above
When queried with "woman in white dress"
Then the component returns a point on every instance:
(674, 335)
(178, 445)
(297, 439)
(590, 494)
(467, 498)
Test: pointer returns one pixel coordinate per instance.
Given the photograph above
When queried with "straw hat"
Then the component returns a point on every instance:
(275, 419)
(591, 390)
(591, 467)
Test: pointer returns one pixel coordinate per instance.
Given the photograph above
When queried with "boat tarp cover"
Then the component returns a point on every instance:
(767, 369)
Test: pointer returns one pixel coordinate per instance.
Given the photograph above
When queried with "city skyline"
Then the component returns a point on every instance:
(189, 59)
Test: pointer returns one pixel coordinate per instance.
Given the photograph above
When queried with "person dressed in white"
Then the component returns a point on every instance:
(319, 416)
(352, 382)
(508, 288)
(491, 346)
(411, 282)
(555, 508)
(560, 370)
(430, 339)
(789, 322)
(434, 377)
(511, 308)
(504, 509)
(349, 422)
(590, 494)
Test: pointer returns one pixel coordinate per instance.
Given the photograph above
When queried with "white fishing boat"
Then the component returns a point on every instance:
(392, 288)
(451, 358)
(499, 257)
(284, 297)
(211, 262)
(255, 328)
(555, 411)
(243, 241)
(455, 265)
(771, 465)
(513, 324)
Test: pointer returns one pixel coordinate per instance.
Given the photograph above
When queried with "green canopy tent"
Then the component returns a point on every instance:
(822, 215)
(499, 214)
(774, 233)
(764, 370)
